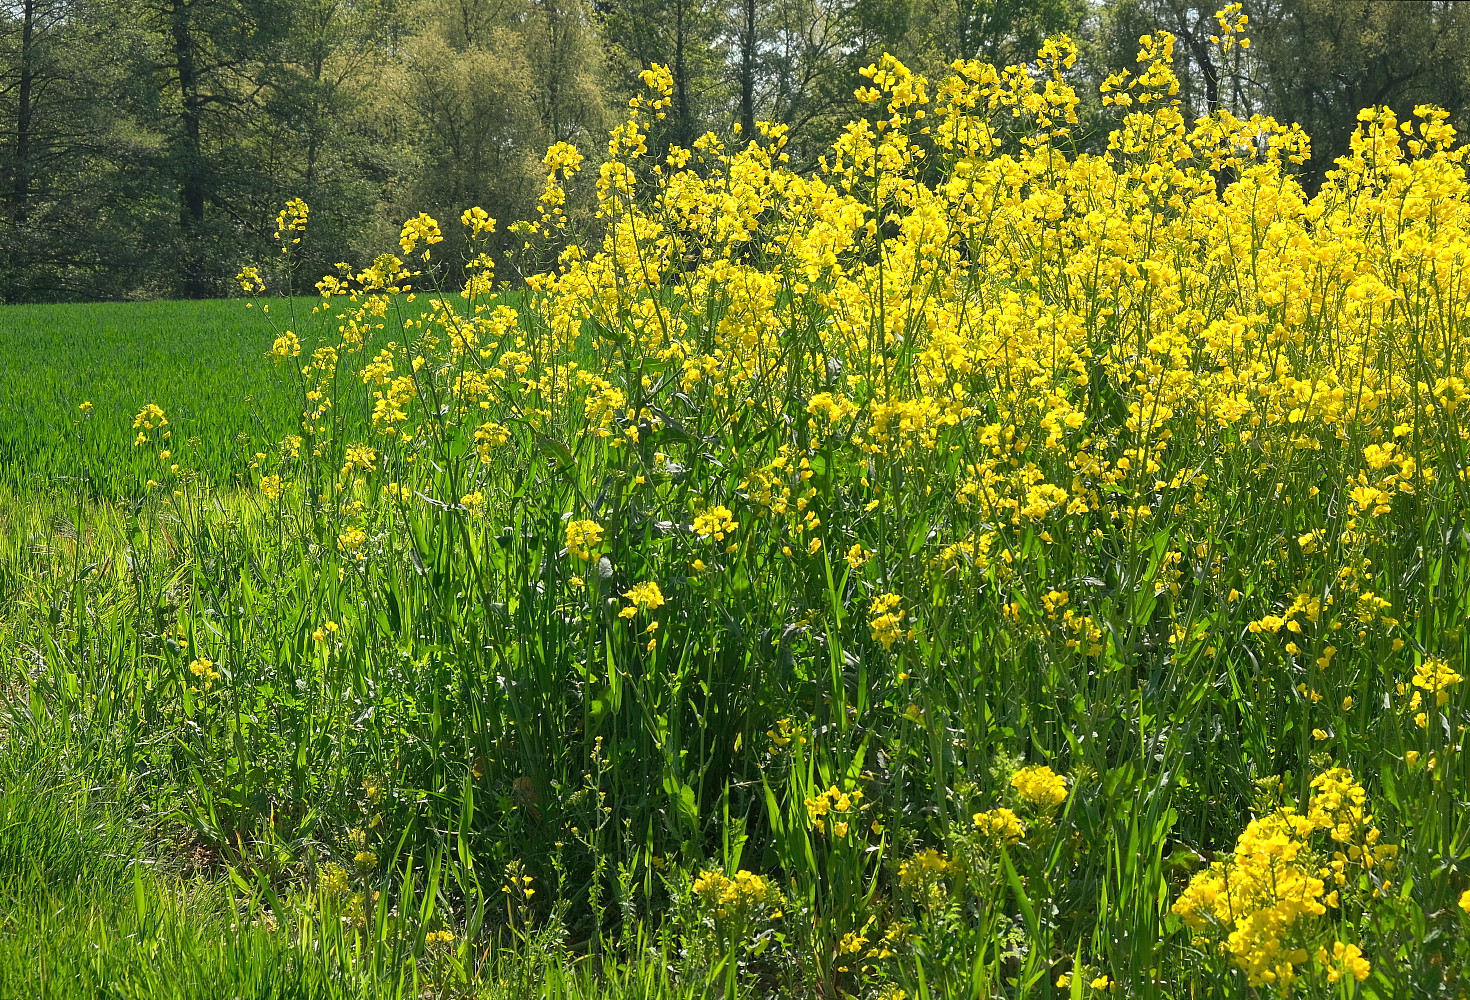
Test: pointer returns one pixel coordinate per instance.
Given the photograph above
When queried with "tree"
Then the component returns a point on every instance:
(1002, 32)
(319, 132)
(1195, 61)
(484, 88)
(561, 43)
(688, 36)
(212, 61)
(1322, 61)
(1314, 62)
(67, 222)
(797, 65)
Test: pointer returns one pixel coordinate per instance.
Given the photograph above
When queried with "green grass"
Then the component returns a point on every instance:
(113, 878)
(200, 361)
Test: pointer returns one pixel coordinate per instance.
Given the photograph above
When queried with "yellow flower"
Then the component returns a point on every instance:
(716, 523)
(922, 868)
(290, 224)
(1040, 786)
(334, 880)
(250, 280)
(287, 345)
(489, 436)
(583, 539)
(1001, 825)
(833, 802)
(1465, 900)
(203, 668)
(737, 900)
(642, 597)
(421, 228)
(149, 418)
(1261, 895)
(352, 540)
(886, 619)
(1346, 959)
(477, 220)
(1435, 677)
(359, 456)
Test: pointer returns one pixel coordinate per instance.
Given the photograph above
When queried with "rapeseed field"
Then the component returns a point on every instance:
(974, 568)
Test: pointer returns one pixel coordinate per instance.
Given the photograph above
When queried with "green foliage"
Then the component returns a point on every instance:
(203, 362)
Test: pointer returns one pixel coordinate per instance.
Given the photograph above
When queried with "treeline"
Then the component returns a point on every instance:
(146, 145)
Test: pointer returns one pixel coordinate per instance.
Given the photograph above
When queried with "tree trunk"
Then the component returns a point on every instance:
(681, 79)
(747, 70)
(191, 160)
(21, 178)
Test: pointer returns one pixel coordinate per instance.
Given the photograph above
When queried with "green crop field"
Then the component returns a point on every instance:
(201, 361)
(974, 569)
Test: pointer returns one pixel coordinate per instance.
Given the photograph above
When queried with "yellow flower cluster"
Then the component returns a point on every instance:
(489, 436)
(149, 418)
(583, 538)
(420, 229)
(642, 597)
(1000, 825)
(204, 669)
(290, 227)
(287, 345)
(250, 280)
(477, 221)
(1344, 960)
(1040, 786)
(1266, 897)
(886, 619)
(923, 869)
(740, 899)
(834, 809)
(785, 733)
(334, 880)
(716, 523)
(1434, 676)
(351, 540)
